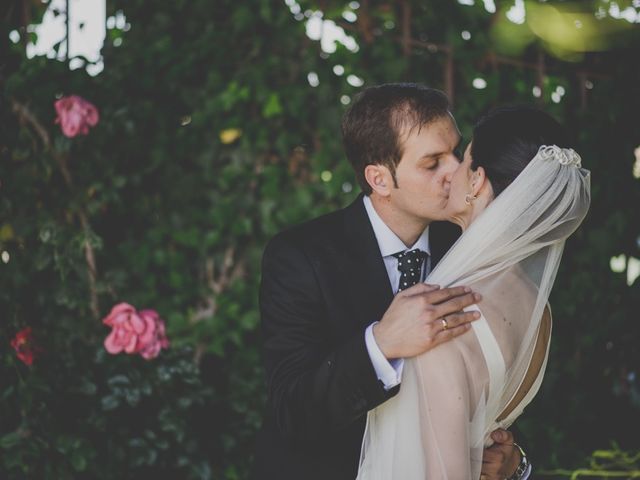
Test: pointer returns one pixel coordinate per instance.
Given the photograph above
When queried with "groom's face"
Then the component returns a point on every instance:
(424, 173)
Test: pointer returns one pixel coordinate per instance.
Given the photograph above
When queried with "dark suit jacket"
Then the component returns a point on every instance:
(323, 283)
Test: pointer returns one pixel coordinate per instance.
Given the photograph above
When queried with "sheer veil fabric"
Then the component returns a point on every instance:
(451, 397)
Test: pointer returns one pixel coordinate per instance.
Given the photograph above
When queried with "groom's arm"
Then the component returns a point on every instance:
(314, 385)
(317, 383)
(388, 371)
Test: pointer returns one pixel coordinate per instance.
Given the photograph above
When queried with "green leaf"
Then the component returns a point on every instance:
(110, 402)
(272, 107)
(119, 381)
(78, 461)
(10, 440)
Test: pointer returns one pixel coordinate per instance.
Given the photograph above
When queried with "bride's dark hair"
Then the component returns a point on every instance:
(507, 138)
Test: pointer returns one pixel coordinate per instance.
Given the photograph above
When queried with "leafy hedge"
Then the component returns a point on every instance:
(211, 140)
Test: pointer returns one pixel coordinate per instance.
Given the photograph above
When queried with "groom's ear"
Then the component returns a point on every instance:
(379, 179)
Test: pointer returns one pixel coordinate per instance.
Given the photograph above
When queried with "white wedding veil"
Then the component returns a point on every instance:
(451, 397)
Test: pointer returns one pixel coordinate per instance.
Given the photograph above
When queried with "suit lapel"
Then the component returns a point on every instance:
(367, 276)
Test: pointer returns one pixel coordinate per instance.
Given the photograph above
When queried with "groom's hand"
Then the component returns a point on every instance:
(413, 323)
(501, 459)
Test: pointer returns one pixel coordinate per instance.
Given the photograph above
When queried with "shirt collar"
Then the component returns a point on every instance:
(388, 242)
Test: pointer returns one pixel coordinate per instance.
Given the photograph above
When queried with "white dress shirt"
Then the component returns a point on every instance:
(390, 372)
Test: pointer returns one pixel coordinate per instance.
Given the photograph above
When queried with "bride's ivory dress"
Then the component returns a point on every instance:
(467, 380)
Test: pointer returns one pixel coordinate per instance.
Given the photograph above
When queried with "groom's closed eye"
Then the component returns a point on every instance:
(430, 163)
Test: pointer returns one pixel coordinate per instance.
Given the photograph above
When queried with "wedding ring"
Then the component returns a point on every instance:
(445, 325)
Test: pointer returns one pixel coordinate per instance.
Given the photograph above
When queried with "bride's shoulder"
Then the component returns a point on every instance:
(517, 278)
(511, 286)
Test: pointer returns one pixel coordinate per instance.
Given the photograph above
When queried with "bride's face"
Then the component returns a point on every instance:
(469, 193)
(461, 185)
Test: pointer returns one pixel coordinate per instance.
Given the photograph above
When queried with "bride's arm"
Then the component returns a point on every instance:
(446, 409)
(424, 432)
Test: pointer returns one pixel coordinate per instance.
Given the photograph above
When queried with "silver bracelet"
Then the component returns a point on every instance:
(522, 466)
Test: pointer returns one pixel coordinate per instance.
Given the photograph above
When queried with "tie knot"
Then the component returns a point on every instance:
(411, 260)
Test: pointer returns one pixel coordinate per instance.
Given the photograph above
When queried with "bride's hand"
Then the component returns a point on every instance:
(422, 317)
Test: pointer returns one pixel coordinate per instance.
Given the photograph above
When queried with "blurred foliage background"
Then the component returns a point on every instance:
(219, 126)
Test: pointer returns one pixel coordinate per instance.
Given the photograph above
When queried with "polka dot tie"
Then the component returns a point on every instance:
(410, 267)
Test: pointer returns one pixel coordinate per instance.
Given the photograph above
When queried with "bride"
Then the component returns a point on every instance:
(518, 195)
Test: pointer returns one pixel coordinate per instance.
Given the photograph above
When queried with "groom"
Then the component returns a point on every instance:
(342, 300)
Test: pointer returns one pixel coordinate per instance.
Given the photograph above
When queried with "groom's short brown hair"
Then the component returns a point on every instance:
(373, 125)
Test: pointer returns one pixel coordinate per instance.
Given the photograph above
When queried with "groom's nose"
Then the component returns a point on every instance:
(450, 167)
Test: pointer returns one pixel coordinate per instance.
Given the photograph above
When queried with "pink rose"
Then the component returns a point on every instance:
(76, 115)
(150, 349)
(135, 332)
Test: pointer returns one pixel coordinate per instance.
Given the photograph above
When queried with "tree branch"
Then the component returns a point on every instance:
(27, 118)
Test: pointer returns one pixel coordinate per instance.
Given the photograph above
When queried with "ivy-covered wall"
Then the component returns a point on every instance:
(210, 139)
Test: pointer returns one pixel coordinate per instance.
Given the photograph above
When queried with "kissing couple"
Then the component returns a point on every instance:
(396, 348)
